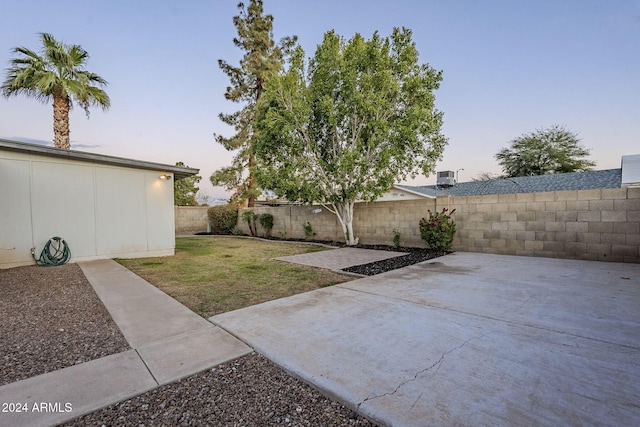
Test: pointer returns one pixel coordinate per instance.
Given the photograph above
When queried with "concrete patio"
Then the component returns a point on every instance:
(466, 339)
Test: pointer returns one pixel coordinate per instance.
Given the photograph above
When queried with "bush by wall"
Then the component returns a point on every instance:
(223, 219)
(438, 230)
(266, 221)
(250, 218)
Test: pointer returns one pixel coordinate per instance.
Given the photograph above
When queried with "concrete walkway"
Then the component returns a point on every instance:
(337, 259)
(466, 339)
(168, 341)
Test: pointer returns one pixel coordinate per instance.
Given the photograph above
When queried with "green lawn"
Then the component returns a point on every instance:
(213, 274)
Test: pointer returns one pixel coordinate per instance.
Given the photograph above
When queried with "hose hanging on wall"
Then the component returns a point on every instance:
(55, 252)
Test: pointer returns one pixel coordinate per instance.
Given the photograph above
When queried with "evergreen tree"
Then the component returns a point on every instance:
(185, 190)
(262, 59)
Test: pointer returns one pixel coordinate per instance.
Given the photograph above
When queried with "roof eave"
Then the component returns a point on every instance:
(179, 172)
(416, 193)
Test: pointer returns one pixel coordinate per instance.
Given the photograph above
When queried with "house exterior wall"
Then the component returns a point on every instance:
(631, 171)
(101, 211)
(399, 195)
(599, 225)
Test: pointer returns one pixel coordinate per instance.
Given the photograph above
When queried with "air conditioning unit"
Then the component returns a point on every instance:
(446, 178)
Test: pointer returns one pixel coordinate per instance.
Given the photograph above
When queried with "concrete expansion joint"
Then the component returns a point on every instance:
(147, 367)
(437, 364)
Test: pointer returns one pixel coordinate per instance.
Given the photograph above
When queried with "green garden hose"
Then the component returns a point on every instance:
(55, 252)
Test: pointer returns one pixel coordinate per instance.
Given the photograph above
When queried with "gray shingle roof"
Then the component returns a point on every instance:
(609, 178)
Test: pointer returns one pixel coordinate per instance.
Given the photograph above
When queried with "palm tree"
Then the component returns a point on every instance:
(57, 74)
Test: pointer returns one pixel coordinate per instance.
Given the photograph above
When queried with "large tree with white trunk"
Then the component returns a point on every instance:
(359, 117)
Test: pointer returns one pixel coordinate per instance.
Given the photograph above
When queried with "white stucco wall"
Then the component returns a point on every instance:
(102, 211)
(631, 171)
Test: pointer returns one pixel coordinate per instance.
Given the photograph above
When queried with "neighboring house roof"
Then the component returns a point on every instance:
(609, 178)
(179, 172)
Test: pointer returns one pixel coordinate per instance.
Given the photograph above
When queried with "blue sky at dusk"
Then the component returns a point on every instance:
(510, 67)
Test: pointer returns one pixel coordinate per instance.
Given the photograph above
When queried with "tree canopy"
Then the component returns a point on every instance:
(262, 58)
(544, 151)
(56, 74)
(185, 190)
(485, 176)
(360, 117)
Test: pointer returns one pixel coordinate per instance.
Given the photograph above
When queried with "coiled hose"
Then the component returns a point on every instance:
(55, 252)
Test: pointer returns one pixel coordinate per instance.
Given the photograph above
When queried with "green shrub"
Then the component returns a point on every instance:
(438, 230)
(308, 230)
(266, 221)
(237, 231)
(222, 219)
(250, 218)
(396, 238)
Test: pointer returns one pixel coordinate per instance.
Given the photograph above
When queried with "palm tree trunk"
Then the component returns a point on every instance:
(61, 108)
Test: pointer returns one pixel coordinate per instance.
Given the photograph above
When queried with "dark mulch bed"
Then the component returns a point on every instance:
(414, 256)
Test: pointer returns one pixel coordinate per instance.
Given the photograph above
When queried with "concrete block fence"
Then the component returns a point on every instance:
(191, 219)
(599, 225)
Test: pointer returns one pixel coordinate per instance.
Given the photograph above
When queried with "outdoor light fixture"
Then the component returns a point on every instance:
(164, 176)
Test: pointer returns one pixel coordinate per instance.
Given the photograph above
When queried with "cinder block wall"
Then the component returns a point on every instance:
(288, 222)
(373, 223)
(602, 225)
(191, 219)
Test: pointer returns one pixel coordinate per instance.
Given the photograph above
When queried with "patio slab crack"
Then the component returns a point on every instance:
(437, 364)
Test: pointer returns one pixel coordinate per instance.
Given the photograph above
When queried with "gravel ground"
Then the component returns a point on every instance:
(51, 319)
(250, 391)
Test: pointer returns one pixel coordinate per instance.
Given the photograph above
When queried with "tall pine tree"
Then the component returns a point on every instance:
(262, 58)
(186, 189)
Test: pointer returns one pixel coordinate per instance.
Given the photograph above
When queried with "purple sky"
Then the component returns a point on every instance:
(510, 67)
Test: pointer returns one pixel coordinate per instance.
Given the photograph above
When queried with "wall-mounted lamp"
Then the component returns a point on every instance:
(164, 176)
